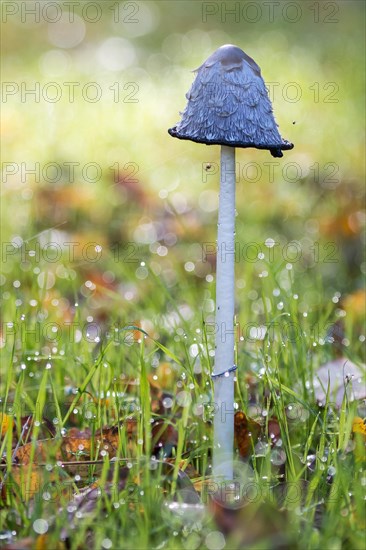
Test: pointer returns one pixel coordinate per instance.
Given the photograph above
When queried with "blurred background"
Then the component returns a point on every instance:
(102, 208)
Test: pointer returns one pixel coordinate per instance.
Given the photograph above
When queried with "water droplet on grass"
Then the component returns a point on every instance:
(40, 526)
(167, 402)
(215, 540)
(278, 457)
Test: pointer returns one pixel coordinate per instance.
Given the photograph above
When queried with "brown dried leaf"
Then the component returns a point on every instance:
(43, 450)
(186, 467)
(22, 544)
(251, 524)
(41, 542)
(166, 375)
(76, 445)
(28, 480)
(274, 430)
(164, 437)
(246, 432)
(23, 426)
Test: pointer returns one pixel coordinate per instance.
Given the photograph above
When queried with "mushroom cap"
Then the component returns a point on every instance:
(228, 104)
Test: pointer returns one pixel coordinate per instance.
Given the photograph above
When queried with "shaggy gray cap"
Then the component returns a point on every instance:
(228, 104)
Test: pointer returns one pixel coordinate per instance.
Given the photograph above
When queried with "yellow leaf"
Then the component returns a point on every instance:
(359, 426)
(5, 420)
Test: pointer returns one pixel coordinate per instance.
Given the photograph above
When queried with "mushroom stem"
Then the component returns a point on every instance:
(224, 347)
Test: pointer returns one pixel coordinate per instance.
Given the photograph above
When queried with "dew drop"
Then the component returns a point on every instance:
(40, 526)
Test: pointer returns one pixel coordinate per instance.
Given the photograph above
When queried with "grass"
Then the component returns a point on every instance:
(90, 384)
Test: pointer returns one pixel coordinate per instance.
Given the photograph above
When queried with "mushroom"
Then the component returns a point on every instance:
(228, 105)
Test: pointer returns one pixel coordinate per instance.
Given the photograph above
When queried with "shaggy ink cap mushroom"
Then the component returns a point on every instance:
(228, 104)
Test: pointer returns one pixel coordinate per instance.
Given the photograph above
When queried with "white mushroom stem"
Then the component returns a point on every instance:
(224, 348)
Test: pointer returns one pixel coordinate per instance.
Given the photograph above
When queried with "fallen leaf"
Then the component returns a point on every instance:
(359, 426)
(38, 451)
(204, 486)
(274, 430)
(355, 304)
(186, 467)
(246, 432)
(256, 524)
(21, 544)
(164, 438)
(83, 445)
(5, 421)
(85, 503)
(76, 444)
(359, 436)
(166, 375)
(25, 480)
(23, 427)
(43, 543)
